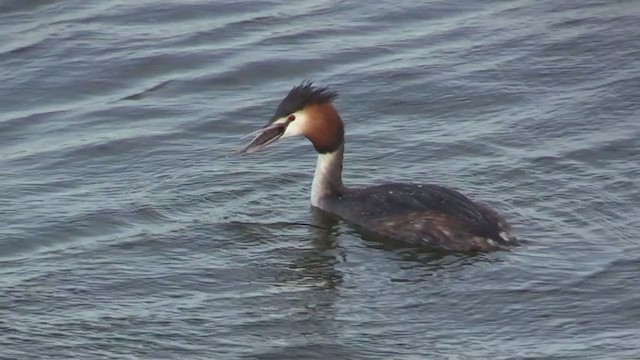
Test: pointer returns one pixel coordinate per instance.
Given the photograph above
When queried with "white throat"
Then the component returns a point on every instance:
(327, 180)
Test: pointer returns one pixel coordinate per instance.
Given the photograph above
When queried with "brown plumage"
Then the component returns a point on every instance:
(435, 229)
(324, 127)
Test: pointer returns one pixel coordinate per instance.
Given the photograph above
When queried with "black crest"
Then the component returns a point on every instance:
(302, 95)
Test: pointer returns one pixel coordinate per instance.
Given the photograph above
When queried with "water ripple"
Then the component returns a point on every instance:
(128, 230)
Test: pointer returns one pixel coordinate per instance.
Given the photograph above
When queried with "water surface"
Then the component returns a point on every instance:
(127, 230)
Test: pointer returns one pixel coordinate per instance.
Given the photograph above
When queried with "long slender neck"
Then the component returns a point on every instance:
(327, 180)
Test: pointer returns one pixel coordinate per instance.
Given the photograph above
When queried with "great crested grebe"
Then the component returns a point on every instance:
(428, 214)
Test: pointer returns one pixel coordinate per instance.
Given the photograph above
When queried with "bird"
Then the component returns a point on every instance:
(429, 215)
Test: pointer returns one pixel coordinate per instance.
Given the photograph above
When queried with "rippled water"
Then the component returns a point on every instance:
(127, 230)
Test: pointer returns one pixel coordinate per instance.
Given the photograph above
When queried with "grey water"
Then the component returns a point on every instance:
(129, 231)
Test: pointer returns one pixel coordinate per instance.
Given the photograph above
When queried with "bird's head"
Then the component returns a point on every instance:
(307, 110)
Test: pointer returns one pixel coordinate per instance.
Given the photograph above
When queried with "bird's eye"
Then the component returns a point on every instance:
(291, 117)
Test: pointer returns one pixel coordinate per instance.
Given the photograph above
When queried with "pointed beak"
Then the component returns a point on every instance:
(263, 137)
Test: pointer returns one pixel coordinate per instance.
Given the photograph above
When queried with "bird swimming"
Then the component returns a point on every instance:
(421, 214)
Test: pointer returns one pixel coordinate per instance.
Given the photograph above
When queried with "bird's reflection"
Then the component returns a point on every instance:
(318, 262)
